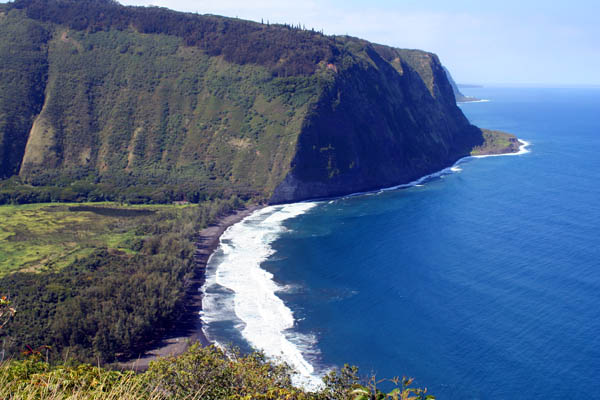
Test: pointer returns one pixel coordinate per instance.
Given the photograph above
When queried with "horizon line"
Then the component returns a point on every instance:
(470, 85)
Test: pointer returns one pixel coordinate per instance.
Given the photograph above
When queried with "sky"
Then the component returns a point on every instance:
(487, 42)
(511, 42)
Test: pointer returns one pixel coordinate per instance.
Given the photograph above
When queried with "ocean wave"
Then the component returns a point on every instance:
(473, 101)
(238, 290)
(523, 149)
(441, 173)
(265, 322)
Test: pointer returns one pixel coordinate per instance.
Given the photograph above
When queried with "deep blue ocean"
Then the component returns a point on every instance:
(483, 283)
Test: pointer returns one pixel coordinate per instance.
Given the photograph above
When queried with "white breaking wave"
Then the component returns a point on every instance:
(238, 289)
(473, 101)
(522, 150)
(264, 320)
(446, 171)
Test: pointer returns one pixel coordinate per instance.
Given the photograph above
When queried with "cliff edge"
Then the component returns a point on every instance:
(167, 106)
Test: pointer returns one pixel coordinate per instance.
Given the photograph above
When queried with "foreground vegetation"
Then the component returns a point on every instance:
(98, 284)
(110, 302)
(200, 373)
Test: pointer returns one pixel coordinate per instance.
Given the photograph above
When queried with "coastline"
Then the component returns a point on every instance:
(240, 293)
(473, 101)
(522, 150)
(450, 169)
(251, 291)
(189, 330)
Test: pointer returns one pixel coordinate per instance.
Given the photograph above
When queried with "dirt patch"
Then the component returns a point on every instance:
(64, 37)
(240, 143)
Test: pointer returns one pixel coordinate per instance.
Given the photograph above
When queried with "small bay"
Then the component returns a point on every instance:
(481, 283)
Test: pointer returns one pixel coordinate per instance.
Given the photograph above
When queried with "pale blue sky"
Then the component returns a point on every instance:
(503, 42)
(509, 41)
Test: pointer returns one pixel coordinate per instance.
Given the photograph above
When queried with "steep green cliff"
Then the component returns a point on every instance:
(94, 93)
(388, 118)
(23, 74)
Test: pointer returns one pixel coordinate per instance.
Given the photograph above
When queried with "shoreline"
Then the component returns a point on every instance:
(447, 170)
(241, 272)
(238, 289)
(522, 150)
(473, 101)
(189, 331)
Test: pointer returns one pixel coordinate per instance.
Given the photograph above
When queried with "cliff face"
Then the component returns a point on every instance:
(94, 92)
(380, 124)
(23, 73)
(460, 97)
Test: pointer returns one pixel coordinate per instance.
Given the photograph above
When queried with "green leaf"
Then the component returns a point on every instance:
(360, 394)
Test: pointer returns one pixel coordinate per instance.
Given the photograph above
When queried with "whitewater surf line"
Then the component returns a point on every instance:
(473, 101)
(237, 288)
(522, 150)
(446, 171)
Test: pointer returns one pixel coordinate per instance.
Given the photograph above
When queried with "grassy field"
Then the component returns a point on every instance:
(496, 142)
(48, 237)
(96, 282)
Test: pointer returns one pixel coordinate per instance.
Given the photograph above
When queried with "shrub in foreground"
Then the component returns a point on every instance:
(200, 373)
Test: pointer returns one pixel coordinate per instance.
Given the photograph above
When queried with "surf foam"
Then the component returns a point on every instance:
(522, 150)
(455, 168)
(265, 322)
(263, 318)
(474, 101)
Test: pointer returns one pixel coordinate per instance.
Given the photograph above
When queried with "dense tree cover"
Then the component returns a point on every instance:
(111, 303)
(23, 73)
(140, 115)
(148, 105)
(14, 191)
(105, 304)
(201, 373)
(285, 50)
(207, 373)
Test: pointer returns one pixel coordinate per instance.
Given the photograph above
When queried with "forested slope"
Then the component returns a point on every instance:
(104, 102)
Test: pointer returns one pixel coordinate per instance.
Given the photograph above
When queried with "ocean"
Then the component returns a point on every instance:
(481, 282)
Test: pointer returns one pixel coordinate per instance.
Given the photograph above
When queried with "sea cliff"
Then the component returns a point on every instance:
(151, 105)
(383, 122)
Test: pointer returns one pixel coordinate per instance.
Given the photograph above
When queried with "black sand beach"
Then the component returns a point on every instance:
(189, 329)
